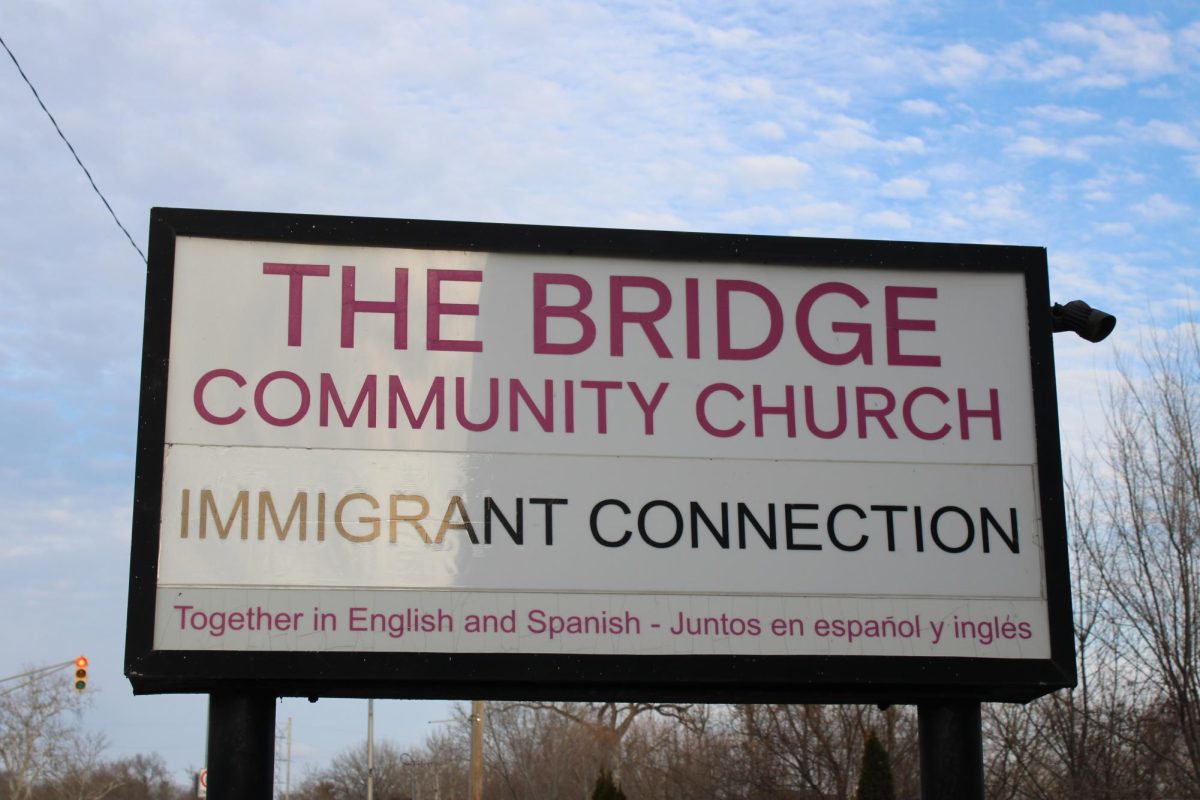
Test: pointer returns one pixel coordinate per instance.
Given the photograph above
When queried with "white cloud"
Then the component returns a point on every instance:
(1189, 40)
(1032, 146)
(920, 107)
(1171, 134)
(994, 203)
(905, 188)
(948, 220)
(1106, 185)
(1066, 116)
(839, 98)
(770, 171)
(57, 525)
(651, 221)
(889, 219)
(855, 134)
(1036, 147)
(769, 130)
(755, 216)
(745, 89)
(851, 172)
(1159, 207)
(1074, 272)
(1053, 69)
(731, 37)
(1137, 45)
(1115, 229)
(824, 212)
(956, 64)
(951, 172)
(1118, 48)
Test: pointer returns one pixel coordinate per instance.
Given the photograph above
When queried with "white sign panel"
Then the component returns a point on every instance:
(379, 449)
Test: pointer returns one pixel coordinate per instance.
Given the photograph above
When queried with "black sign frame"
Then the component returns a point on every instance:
(741, 678)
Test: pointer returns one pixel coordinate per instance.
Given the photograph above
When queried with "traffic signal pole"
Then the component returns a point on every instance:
(33, 673)
(241, 745)
(38, 673)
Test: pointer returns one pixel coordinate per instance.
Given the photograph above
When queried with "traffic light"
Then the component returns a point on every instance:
(80, 680)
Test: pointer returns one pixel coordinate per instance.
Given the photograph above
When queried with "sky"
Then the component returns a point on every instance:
(1066, 125)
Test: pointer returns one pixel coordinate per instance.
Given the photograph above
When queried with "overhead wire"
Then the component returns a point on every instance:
(70, 147)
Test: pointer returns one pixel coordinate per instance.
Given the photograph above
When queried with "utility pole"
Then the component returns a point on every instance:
(371, 749)
(285, 761)
(477, 710)
(287, 775)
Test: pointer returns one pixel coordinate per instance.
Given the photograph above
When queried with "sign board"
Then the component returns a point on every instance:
(401, 458)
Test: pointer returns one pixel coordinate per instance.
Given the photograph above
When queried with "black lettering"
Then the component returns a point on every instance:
(595, 516)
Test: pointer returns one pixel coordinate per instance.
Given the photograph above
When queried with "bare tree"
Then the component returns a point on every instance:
(1144, 540)
(346, 776)
(39, 729)
(609, 723)
(81, 773)
(816, 751)
(534, 752)
(1077, 743)
(138, 777)
(145, 777)
(555, 751)
(448, 755)
(437, 770)
(666, 760)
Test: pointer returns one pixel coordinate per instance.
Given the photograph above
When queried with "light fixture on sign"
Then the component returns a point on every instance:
(1090, 323)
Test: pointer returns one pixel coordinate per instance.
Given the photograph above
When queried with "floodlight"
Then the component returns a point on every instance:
(1090, 323)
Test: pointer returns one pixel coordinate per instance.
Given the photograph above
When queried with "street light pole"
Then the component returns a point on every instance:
(412, 764)
(287, 779)
(370, 749)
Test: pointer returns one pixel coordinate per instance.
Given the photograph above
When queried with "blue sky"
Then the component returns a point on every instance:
(1072, 126)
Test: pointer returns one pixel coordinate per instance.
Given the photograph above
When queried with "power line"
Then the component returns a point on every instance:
(78, 161)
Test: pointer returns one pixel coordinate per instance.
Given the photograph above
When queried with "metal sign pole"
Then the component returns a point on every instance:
(951, 742)
(241, 745)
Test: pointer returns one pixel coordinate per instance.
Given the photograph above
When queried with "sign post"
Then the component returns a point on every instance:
(241, 745)
(951, 745)
(394, 458)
